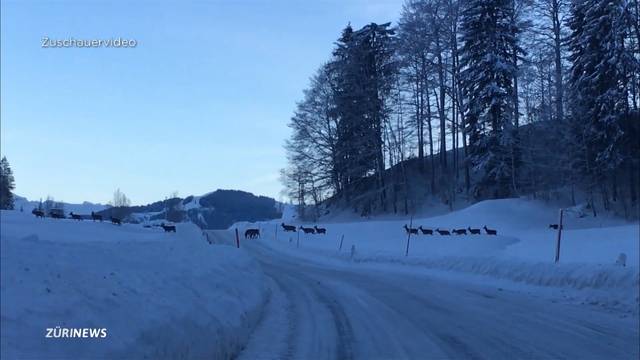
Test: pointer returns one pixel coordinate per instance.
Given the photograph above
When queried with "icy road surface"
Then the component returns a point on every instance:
(319, 311)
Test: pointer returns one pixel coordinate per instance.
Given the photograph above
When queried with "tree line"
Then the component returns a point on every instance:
(471, 100)
(7, 185)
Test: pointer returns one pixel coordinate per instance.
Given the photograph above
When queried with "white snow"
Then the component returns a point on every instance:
(159, 295)
(288, 212)
(523, 251)
(193, 204)
(327, 308)
(145, 218)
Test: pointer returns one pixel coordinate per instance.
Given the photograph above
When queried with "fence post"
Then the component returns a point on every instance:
(341, 240)
(276, 232)
(559, 237)
(406, 252)
(237, 239)
(298, 241)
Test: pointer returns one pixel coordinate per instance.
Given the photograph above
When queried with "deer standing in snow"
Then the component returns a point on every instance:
(490, 231)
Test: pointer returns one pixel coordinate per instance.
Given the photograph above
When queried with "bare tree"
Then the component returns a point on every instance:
(551, 30)
(119, 199)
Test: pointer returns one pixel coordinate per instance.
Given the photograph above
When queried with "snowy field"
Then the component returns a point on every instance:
(522, 252)
(158, 295)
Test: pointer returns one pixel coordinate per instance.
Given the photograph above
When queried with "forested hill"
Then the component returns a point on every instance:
(221, 208)
(492, 98)
(215, 210)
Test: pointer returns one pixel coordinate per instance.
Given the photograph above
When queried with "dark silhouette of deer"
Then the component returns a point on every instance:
(443, 232)
(116, 221)
(75, 216)
(252, 233)
(425, 231)
(95, 216)
(474, 231)
(308, 230)
(38, 213)
(320, 230)
(459, 231)
(410, 230)
(288, 227)
(168, 228)
(490, 231)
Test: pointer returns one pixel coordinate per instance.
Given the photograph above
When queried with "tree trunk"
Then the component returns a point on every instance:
(633, 184)
(516, 100)
(419, 101)
(555, 14)
(463, 124)
(441, 113)
(433, 164)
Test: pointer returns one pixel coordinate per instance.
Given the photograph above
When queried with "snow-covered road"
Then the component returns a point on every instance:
(322, 312)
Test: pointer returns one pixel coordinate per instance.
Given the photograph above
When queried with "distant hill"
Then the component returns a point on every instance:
(84, 208)
(215, 210)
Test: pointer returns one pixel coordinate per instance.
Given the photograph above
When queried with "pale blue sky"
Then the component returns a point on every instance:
(201, 103)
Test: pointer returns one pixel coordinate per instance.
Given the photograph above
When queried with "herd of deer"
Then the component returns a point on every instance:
(252, 233)
(255, 233)
(461, 231)
(60, 215)
(317, 230)
(95, 217)
(307, 230)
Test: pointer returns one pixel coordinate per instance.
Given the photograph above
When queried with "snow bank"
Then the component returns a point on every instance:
(608, 285)
(523, 251)
(158, 295)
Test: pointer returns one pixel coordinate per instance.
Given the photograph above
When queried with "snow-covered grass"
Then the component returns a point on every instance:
(159, 295)
(523, 251)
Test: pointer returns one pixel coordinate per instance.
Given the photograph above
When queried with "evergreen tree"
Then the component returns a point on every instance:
(601, 65)
(364, 66)
(490, 40)
(7, 184)
(353, 155)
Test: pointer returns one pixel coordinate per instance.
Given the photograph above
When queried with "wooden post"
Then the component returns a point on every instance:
(406, 252)
(341, 240)
(559, 237)
(237, 239)
(298, 241)
(276, 232)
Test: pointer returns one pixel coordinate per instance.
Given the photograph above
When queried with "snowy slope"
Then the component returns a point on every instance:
(158, 295)
(522, 252)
